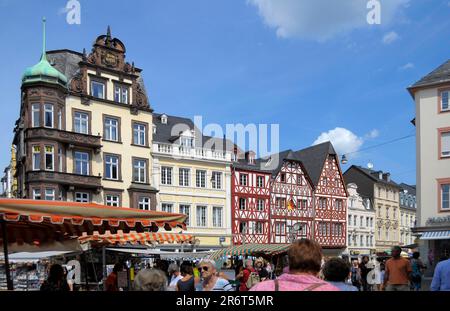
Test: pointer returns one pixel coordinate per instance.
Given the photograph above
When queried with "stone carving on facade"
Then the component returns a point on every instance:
(139, 96)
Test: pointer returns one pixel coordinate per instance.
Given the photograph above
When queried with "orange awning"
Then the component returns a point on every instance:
(135, 237)
(37, 221)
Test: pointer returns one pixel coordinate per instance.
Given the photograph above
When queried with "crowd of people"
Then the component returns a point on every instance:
(306, 270)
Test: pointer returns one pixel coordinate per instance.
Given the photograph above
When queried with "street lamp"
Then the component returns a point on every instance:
(344, 159)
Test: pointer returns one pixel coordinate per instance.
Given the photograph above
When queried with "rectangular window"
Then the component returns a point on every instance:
(36, 115)
(98, 89)
(361, 221)
(187, 142)
(183, 176)
(260, 181)
(166, 175)
(112, 167)
(37, 194)
(111, 129)
(349, 240)
(139, 131)
(167, 207)
(280, 228)
(338, 205)
(283, 177)
(304, 204)
(258, 228)
(200, 179)
(48, 115)
(112, 200)
(59, 119)
(322, 203)
(445, 196)
(36, 158)
(201, 216)
(82, 197)
(49, 158)
(444, 101)
(139, 171)
(217, 216)
(50, 194)
(280, 202)
(445, 144)
(260, 205)
(216, 180)
(121, 94)
(60, 160)
(81, 163)
(81, 122)
(243, 179)
(186, 210)
(299, 180)
(350, 220)
(144, 203)
(242, 203)
(243, 227)
(355, 220)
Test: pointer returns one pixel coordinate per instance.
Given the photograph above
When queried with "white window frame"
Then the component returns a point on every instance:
(186, 210)
(140, 166)
(243, 179)
(82, 197)
(112, 200)
(260, 181)
(93, 82)
(51, 111)
(202, 216)
(216, 180)
(445, 196)
(447, 96)
(445, 153)
(144, 203)
(111, 162)
(240, 204)
(121, 94)
(184, 175)
(167, 207)
(83, 163)
(217, 216)
(139, 137)
(260, 207)
(36, 156)
(37, 194)
(200, 178)
(36, 108)
(111, 127)
(166, 175)
(49, 194)
(81, 119)
(259, 228)
(52, 154)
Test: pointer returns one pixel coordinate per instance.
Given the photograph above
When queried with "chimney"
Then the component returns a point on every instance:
(387, 177)
(250, 157)
(380, 175)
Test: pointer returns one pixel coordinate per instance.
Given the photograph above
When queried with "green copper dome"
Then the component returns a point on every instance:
(43, 71)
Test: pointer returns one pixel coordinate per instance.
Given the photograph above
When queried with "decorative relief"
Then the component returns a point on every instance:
(65, 137)
(64, 178)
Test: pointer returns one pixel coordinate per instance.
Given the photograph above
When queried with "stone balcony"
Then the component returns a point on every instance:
(70, 138)
(178, 151)
(67, 179)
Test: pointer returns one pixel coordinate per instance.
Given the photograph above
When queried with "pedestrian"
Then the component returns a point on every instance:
(305, 257)
(364, 270)
(245, 275)
(150, 280)
(111, 284)
(417, 271)
(187, 283)
(398, 272)
(441, 277)
(355, 274)
(336, 271)
(211, 282)
(174, 275)
(430, 257)
(56, 281)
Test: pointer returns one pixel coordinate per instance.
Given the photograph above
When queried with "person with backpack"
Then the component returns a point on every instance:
(417, 271)
(305, 258)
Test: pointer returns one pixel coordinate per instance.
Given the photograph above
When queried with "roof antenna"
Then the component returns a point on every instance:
(44, 55)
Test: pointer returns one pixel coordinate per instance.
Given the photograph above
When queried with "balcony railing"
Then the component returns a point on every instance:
(191, 152)
(71, 138)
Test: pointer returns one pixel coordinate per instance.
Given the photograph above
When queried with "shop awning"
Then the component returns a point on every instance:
(436, 235)
(35, 222)
(135, 237)
(250, 250)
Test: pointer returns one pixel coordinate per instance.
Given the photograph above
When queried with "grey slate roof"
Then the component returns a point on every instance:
(411, 189)
(313, 158)
(439, 75)
(373, 175)
(168, 133)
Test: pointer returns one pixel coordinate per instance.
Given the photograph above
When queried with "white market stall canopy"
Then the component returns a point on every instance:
(163, 254)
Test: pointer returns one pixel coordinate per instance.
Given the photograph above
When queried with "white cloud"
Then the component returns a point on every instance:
(320, 19)
(373, 134)
(390, 37)
(343, 140)
(407, 66)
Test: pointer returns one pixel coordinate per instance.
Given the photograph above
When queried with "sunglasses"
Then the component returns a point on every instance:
(204, 268)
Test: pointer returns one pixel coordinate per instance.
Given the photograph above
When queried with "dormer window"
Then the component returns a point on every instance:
(187, 142)
(121, 93)
(154, 129)
(164, 119)
(98, 89)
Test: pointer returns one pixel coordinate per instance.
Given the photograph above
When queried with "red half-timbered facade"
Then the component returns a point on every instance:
(290, 204)
(331, 206)
(250, 195)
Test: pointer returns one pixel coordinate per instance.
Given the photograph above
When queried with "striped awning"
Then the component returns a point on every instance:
(39, 222)
(135, 237)
(250, 250)
(435, 235)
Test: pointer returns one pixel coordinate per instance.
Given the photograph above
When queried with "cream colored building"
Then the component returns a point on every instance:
(431, 95)
(384, 193)
(360, 224)
(408, 211)
(192, 173)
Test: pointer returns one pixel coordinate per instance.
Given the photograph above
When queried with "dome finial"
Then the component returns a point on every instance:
(108, 32)
(44, 56)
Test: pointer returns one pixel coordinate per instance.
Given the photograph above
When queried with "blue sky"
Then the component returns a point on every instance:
(314, 67)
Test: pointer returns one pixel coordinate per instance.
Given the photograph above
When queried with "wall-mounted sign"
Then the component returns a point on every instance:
(438, 220)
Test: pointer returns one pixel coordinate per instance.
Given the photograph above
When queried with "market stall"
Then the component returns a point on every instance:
(264, 250)
(49, 224)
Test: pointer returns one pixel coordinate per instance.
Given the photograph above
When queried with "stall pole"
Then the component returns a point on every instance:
(104, 262)
(9, 282)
